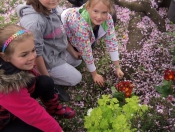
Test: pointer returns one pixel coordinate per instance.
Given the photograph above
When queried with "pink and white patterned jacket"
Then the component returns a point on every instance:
(78, 27)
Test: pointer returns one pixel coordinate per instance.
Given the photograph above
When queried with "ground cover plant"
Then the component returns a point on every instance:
(144, 68)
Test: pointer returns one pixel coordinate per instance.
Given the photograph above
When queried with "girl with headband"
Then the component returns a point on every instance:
(20, 85)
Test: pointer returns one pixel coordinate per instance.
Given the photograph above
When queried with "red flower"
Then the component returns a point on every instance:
(127, 94)
(169, 75)
(126, 87)
(170, 97)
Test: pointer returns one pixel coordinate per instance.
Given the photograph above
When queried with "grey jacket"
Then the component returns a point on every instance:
(49, 34)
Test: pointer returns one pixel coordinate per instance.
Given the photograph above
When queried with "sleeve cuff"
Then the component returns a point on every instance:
(114, 55)
(91, 67)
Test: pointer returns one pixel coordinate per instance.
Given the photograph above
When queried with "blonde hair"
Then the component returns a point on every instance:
(108, 3)
(6, 32)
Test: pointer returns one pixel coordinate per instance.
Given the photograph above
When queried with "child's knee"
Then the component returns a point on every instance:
(76, 80)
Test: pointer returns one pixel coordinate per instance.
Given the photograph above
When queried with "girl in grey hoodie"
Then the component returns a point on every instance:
(55, 56)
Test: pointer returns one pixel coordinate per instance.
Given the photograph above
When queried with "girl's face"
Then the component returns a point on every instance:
(49, 4)
(24, 55)
(98, 13)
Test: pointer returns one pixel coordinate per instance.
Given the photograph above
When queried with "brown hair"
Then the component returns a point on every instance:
(38, 7)
(6, 32)
(108, 3)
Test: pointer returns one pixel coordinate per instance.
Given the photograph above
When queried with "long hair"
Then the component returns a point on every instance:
(38, 7)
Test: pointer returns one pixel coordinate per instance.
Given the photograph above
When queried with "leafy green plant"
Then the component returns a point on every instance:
(165, 89)
(108, 116)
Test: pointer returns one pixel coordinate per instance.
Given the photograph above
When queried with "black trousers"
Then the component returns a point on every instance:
(19, 126)
(45, 89)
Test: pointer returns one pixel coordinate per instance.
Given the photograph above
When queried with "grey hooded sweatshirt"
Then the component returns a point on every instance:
(49, 34)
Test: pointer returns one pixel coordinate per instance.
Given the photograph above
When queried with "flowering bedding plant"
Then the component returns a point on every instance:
(166, 89)
(126, 87)
(122, 90)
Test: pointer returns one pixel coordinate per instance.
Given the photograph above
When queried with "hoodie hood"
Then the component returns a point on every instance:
(24, 9)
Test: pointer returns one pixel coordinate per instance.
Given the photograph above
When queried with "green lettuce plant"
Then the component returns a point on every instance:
(108, 116)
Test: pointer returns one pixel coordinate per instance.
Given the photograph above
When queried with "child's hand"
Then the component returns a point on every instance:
(77, 55)
(119, 73)
(99, 80)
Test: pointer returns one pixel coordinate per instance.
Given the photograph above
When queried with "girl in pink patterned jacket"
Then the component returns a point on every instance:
(88, 23)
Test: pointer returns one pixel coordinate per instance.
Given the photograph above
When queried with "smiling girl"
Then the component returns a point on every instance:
(88, 23)
(20, 85)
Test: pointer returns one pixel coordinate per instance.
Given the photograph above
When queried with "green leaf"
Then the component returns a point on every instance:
(165, 89)
(105, 99)
(104, 124)
(165, 82)
(113, 89)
